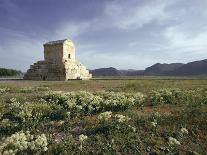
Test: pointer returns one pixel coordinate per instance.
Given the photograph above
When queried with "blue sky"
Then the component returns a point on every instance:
(126, 34)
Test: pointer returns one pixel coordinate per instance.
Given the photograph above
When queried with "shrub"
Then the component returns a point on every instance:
(23, 142)
(4, 90)
(178, 96)
(26, 90)
(85, 103)
(27, 114)
(105, 116)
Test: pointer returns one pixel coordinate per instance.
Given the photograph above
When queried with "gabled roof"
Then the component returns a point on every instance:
(57, 42)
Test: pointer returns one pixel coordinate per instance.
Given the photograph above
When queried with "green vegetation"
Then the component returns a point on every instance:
(9, 72)
(142, 116)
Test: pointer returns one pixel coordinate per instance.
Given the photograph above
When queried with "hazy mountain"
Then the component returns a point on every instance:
(176, 69)
(105, 72)
(115, 72)
(162, 69)
(192, 68)
(173, 69)
(131, 72)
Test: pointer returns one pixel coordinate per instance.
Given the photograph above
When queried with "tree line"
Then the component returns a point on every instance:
(9, 72)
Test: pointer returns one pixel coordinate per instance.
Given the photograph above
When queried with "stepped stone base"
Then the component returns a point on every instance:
(43, 70)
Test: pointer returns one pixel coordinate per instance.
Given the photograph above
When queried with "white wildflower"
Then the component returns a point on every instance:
(184, 131)
(105, 116)
(21, 141)
(4, 90)
(5, 122)
(71, 104)
(154, 123)
(157, 114)
(68, 114)
(79, 107)
(173, 141)
(133, 128)
(82, 138)
(121, 118)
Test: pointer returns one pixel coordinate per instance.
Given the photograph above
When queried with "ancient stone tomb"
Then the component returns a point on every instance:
(59, 63)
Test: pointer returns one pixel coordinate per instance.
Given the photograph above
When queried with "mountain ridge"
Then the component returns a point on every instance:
(159, 69)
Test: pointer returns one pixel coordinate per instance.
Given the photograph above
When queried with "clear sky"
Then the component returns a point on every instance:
(126, 34)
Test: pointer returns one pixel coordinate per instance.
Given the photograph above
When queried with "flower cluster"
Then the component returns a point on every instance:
(120, 101)
(86, 103)
(40, 143)
(118, 120)
(21, 142)
(173, 141)
(184, 131)
(14, 106)
(121, 118)
(162, 96)
(27, 112)
(157, 114)
(4, 90)
(105, 116)
(82, 138)
(132, 128)
(6, 123)
(154, 123)
(177, 96)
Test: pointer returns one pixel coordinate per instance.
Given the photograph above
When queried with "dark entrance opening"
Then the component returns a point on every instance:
(44, 78)
(69, 56)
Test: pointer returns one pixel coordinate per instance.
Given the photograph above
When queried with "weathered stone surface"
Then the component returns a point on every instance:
(59, 63)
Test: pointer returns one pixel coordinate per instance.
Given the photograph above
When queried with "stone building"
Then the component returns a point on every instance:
(59, 63)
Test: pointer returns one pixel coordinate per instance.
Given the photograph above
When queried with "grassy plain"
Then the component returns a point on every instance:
(144, 84)
(156, 126)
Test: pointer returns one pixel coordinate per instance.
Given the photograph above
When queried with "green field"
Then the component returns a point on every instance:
(156, 115)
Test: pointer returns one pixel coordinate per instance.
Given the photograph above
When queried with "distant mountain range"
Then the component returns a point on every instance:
(158, 69)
